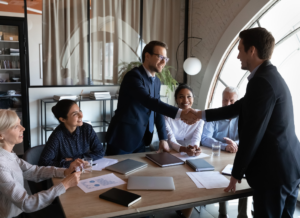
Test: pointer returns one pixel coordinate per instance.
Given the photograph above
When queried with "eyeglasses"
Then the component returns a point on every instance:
(160, 57)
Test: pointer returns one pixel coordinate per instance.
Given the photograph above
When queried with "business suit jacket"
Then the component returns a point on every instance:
(128, 126)
(269, 150)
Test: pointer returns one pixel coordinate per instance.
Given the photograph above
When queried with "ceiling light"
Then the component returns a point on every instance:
(34, 10)
(3, 2)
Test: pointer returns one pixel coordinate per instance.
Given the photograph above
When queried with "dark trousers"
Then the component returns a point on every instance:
(141, 147)
(277, 202)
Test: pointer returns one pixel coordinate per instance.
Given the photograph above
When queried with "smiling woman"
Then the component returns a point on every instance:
(14, 199)
(72, 139)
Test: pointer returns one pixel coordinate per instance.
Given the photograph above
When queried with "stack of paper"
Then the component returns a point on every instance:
(61, 97)
(209, 180)
(100, 95)
(183, 156)
(102, 163)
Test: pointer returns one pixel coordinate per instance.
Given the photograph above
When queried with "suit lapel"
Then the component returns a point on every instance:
(146, 78)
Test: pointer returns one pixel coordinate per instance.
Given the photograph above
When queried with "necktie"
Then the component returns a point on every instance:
(151, 118)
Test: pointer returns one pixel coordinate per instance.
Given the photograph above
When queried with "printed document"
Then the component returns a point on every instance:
(100, 182)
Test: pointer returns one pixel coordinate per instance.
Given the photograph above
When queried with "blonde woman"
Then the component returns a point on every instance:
(13, 197)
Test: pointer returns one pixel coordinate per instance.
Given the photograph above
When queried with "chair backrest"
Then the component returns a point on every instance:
(32, 156)
(101, 137)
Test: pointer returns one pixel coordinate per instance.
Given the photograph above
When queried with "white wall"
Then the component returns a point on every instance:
(34, 39)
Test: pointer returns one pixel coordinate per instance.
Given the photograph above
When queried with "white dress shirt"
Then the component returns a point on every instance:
(13, 196)
(181, 134)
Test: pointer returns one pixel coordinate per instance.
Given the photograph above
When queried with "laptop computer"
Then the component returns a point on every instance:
(150, 183)
(127, 166)
(164, 159)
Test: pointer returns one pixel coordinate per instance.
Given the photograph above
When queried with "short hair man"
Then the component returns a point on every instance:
(269, 149)
(139, 106)
(226, 133)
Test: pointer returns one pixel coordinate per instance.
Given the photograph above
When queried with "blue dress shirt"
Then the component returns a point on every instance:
(217, 130)
(83, 142)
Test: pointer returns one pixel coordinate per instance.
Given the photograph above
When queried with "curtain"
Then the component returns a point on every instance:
(163, 20)
(114, 37)
(64, 40)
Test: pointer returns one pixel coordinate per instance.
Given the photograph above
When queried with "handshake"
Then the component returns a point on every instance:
(190, 116)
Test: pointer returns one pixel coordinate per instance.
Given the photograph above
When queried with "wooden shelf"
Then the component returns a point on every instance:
(9, 83)
(9, 69)
(8, 41)
(7, 55)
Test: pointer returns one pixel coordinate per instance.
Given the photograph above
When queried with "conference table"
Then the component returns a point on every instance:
(76, 203)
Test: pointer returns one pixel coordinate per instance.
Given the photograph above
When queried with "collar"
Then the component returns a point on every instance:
(66, 131)
(148, 73)
(10, 155)
(253, 73)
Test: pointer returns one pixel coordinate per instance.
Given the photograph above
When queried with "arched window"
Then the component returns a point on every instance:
(282, 19)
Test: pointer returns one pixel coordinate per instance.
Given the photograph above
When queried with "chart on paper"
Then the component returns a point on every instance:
(100, 182)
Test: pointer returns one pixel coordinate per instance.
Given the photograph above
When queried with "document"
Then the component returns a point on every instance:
(211, 180)
(100, 182)
(183, 156)
(102, 163)
(198, 184)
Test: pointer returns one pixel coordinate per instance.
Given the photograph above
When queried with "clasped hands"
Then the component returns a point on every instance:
(72, 178)
(190, 116)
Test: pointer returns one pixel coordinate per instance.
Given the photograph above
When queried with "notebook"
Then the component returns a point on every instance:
(164, 159)
(227, 170)
(150, 183)
(127, 166)
(119, 196)
(200, 165)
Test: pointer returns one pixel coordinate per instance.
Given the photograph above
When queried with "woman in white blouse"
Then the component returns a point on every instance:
(183, 137)
(13, 197)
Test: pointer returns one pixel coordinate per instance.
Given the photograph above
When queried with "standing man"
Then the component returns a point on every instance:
(139, 106)
(269, 150)
(226, 133)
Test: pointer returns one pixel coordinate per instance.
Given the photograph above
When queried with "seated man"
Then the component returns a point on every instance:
(225, 132)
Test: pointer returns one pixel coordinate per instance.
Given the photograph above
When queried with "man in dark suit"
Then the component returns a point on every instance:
(139, 106)
(269, 151)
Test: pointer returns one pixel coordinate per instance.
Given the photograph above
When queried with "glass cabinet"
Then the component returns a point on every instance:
(13, 79)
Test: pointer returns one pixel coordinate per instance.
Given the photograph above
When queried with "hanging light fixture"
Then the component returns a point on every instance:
(191, 65)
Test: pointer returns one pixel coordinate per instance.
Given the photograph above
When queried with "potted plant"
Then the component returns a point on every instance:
(165, 75)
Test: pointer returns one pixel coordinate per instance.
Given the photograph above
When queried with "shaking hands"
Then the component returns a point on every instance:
(190, 116)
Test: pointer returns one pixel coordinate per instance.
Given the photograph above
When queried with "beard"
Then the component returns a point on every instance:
(153, 68)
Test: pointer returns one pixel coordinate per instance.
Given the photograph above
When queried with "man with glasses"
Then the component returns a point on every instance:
(139, 106)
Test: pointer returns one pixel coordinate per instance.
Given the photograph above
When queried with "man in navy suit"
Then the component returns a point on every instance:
(139, 106)
(269, 150)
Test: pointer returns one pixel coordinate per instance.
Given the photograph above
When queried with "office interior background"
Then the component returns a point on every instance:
(76, 45)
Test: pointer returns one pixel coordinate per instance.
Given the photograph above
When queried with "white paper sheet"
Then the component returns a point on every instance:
(227, 170)
(102, 163)
(100, 182)
(212, 179)
(183, 156)
(198, 184)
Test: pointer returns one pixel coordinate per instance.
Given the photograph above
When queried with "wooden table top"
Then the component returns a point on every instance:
(76, 203)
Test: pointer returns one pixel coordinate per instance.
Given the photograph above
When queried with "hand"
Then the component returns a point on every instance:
(189, 116)
(76, 163)
(71, 180)
(232, 185)
(197, 150)
(163, 146)
(232, 146)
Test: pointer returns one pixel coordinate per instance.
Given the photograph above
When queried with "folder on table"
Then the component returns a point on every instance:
(164, 159)
(119, 196)
(200, 165)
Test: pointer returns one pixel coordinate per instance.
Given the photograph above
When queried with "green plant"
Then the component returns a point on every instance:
(165, 76)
